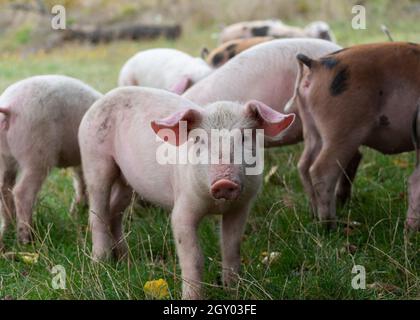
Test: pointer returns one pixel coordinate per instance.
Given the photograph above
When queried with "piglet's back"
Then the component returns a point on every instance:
(265, 72)
(129, 108)
(148, 102)
(391, 60)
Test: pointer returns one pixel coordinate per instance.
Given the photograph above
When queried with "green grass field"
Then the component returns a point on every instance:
(312, 263)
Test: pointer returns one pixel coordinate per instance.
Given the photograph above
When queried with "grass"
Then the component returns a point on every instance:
(313, 263)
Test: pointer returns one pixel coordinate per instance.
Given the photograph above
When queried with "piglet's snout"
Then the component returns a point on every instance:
(225, 189)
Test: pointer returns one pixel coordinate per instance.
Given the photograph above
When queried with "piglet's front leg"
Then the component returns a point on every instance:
(233, 225)
(185, 224)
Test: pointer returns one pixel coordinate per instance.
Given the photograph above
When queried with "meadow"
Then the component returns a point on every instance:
(311, 263)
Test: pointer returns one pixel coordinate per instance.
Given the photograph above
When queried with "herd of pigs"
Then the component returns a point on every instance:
(303, 87)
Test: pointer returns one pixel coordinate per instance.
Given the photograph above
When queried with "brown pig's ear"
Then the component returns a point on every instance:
(272, 122)
(305, 60)
(174, 129)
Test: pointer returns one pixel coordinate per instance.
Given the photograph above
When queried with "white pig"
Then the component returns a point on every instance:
(276, 29)
(168, 69)
(120, 148)
(39, 121)
(249, 29)
(266, 72)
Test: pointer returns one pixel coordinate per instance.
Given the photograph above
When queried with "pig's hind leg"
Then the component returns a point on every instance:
(312, 147)
(327, 169)
(344, 185)
(25, 192)
(121, 196)
(100, 174)
(8, 171)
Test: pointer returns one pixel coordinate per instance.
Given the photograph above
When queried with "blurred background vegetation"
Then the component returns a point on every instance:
(26, 29)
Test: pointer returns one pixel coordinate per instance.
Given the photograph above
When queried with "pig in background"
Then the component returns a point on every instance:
(161, 68)
(40, 117)
(118, 141)
(413, 213)
(230, 49)
(320, 30)
(276, 29)
(362, 95)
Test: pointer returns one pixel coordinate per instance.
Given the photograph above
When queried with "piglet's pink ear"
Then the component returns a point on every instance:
(174, 129)
(271, 121)
(182, 85)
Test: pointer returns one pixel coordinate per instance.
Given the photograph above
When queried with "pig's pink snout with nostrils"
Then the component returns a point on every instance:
(225, 189)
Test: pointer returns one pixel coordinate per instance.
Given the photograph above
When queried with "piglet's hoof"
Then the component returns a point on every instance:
(412, 226)
(120, 252)
(329, 225)
(230, 279)
(25, 236)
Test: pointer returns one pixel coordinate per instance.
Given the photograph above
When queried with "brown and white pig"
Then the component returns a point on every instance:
(267, 72)
(162, 68)
(276, 29)
(319, 30)
(230, 49)
(40, 117)
(362, 95)
(249, 29)
(121, 151)
(413, 214)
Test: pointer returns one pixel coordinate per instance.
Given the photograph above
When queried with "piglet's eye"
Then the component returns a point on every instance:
(197, 139)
